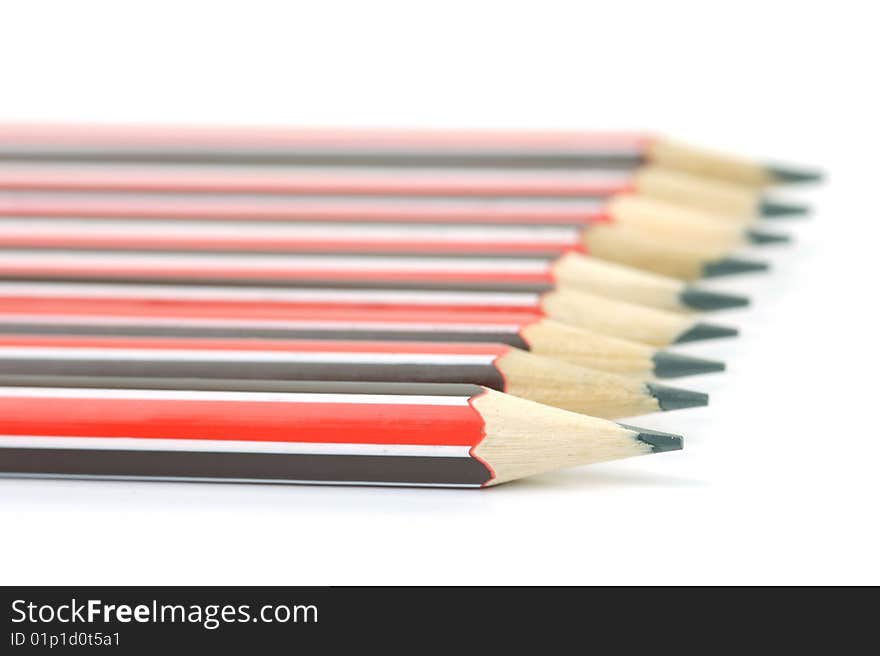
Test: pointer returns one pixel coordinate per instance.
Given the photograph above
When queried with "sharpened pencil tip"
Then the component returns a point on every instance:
(787, 175)
(729, 266)
(674, 398)
(773, 209)
(702, 331)
(657, 440)
(675, 365)
(703, 299)
(762, 238)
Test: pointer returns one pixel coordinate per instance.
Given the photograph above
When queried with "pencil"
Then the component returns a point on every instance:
(496, 366)
(719, 200)
(466, 437)
(459, 148)
(530, 273)
(653, 218)
(527, 331)
(543, 253)
(602, 315)
(699, 249)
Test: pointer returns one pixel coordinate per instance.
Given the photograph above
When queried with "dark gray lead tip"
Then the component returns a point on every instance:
(657, 440)
(729, 266)
(674, 398)
(763, 238)
(702, 299)
(675, 365)
(702, 331)
(787, 175)
(772, 209)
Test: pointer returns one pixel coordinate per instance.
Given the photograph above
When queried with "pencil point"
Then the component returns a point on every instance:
(729, 266)
(702, 331)
(674, 365)
(762, 238)
(774, 209)
(703, 299)
(674, 398)
(786, 175)
(657, 440)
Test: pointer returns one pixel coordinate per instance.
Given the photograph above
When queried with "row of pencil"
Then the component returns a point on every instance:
(357, 306)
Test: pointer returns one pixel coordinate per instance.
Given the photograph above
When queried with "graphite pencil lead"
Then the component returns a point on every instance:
(695, 298)
(657, 440)
(702, 331)
(773, 209)
(675, 398)
(675, 365)
(761, 238)
(786, 174)
(729, 266)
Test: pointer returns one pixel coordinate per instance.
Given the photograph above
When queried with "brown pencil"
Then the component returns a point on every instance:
(327, 365)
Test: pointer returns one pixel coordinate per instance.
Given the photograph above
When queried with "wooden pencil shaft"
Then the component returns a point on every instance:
(659, 255)
(674, 220)
(709, 163)
(719, 198)
(621, 282)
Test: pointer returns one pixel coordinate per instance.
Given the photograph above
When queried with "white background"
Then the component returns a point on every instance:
(778, 482)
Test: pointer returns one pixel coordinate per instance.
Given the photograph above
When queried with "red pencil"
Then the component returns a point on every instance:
(44, 316)
(335, 365)
(463, 436)
(716, 201)
(476, 148)
(617, 319)
(332, 267)
(650, 238)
